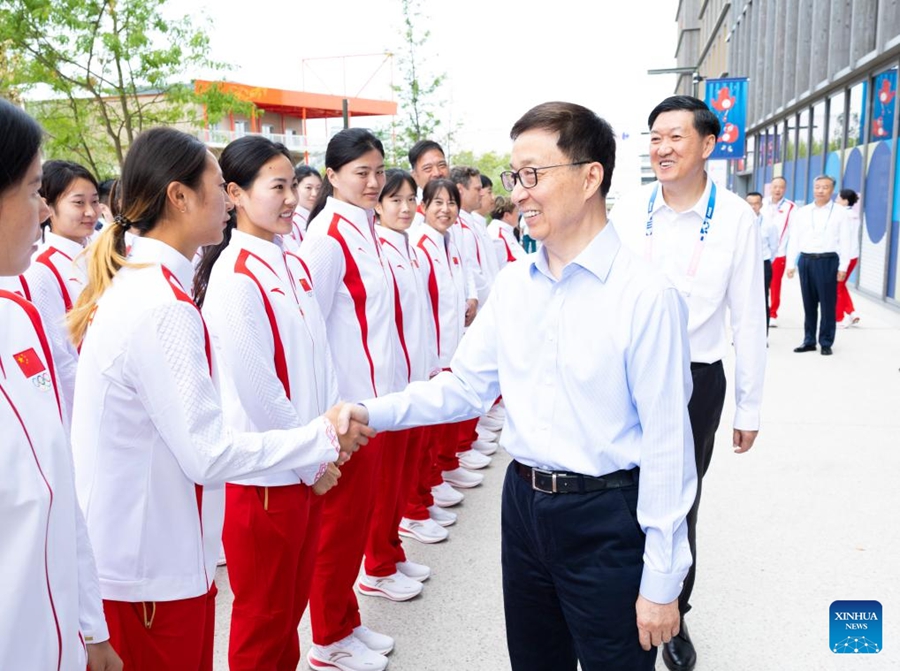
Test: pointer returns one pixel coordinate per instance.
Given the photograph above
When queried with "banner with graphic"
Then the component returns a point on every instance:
(727, 98)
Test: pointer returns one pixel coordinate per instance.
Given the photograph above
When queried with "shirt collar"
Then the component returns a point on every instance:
(597, 257)
(66, 246)
(270, 252)
(699, 207)
(152, 251)
(351, 212)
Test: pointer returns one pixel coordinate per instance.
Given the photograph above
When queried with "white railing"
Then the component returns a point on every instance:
(298, 143)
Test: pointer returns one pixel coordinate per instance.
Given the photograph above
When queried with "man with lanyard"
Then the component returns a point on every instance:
(821, 238)
(706, 240)
(780, 210)
(594, 502)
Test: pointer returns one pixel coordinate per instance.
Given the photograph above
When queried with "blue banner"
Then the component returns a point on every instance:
(727, 98)
(884, 104)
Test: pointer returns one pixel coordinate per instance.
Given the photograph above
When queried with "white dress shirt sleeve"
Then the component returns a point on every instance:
(799, 224)
(748, 324)
(658, 370)
(844, 243)
(250, 350)
(467, 390)
(166, 362)
(327, 267)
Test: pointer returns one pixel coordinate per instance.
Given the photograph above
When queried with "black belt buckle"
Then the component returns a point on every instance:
(534, 484)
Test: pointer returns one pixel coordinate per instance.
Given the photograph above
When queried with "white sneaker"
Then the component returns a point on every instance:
(348, 654)
(397, 587)
(854, 320)
(460, 477)
(380, 643)
(443, 517)
(493, 421)
(473, 460)
(773, 322)
(413, 570)
(485, 447)
(445, 496)
(846, 322)
(424, 531)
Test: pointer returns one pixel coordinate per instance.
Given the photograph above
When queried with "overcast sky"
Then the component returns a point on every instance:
(499, 57)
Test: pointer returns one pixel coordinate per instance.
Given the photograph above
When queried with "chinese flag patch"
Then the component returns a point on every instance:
(305, 285)
(29, 362)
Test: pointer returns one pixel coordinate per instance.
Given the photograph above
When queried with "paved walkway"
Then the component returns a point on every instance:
(809, 516)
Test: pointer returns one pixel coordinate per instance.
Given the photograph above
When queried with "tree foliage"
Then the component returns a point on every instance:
(490, 164)
(105, 69)
(418, 94)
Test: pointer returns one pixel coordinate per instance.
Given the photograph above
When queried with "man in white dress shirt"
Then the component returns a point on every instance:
(588, 345)
(706, 241)
(821, 240)
(781, 211)
(768, 237)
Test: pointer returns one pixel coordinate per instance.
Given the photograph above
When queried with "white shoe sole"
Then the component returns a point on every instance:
(463, 485)
(364, 589)
(428, 540)
(322, 664)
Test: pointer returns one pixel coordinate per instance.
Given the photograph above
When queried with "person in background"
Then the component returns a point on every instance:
(309, 181)
(768, 235)
(845, 313)
(52, 616)
(780, 210)
(502, 227)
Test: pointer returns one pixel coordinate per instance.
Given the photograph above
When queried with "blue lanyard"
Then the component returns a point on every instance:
(704, 229)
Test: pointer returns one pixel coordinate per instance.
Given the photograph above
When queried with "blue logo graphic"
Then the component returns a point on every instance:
(855, 627)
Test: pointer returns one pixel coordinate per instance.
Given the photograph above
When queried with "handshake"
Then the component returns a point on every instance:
(350, 422)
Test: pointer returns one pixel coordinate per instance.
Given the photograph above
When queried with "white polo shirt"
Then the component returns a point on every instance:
(148, 425)
(720, 278)
(50, 595)
(270, 345)
(355, 291)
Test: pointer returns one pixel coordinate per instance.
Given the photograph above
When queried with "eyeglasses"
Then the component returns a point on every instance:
(528, 177)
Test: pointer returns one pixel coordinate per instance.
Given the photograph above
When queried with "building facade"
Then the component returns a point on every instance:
(822, 100)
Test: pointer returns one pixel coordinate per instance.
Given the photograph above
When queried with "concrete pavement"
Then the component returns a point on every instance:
(807, 517)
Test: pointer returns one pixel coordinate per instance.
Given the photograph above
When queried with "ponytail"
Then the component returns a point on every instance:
(105, 257)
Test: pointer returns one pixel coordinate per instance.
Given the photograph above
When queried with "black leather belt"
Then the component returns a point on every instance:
(826, 255)
(562, 482)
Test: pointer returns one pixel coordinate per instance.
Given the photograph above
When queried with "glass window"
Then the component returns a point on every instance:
(802, 165)
(834, 151)
(817, 144)
(855, 115)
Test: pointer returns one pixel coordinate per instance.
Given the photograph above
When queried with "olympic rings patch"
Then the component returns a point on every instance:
(42, 381)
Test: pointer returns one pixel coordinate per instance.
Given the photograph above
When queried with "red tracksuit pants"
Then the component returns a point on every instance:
(844, 304)
(778, 265)
(419, 497)
(346, 511)
(271, 536)
(154, 635)
(398, 465)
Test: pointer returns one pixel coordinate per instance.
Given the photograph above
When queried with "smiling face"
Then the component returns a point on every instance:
(266, 207)
(555, 206)
(75, 213)
(678, 152)
(441, 212)
(359, 182)
(21, 212)
(430, 166)
(397, 210)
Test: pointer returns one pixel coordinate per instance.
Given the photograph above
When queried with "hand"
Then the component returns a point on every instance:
(656, 623)
(841, 276)
(327, 481)
(102, 657)
(471, 310)
(743, 440)
(352, 432)
(790, 274)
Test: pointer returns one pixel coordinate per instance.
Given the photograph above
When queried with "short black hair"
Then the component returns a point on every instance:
(582, 135)
(302, 171)
(20, 141)
(705, 122)
(486, 182)
(754, 193)
(420, 148)
(850, 196)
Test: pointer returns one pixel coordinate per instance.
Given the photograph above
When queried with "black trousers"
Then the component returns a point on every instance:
(818, 286)
(705, 412)
(767, 275)
(572, 566)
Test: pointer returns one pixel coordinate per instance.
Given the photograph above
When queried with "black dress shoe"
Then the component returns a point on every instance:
(679, 654)
(805, 348)
(826, 351)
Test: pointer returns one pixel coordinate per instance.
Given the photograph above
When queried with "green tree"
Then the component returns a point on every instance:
(418, 94)
(490, 164)
(110, 68)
